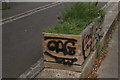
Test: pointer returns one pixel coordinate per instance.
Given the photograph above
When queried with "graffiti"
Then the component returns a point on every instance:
(58, 45)
(65, 61)
(90, 38)
(86, 45)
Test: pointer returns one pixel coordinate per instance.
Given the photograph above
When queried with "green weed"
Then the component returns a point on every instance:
(75, 18)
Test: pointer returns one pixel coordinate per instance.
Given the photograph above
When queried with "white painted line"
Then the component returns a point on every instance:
(27, 13)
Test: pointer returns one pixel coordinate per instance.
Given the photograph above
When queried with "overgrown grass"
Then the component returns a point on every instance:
(75, 18)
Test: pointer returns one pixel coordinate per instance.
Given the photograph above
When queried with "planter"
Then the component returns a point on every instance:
(69, 52)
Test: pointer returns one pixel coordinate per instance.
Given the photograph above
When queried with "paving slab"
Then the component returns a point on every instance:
(109, 66)
(57, 73)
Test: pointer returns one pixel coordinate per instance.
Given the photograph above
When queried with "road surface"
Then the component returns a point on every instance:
(22, 39)
(20, 7)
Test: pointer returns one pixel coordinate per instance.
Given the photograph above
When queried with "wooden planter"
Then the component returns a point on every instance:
(69, 52)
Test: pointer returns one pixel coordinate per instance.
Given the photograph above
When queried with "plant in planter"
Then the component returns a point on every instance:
(68, 43)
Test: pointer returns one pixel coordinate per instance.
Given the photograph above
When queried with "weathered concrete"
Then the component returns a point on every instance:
(58, 73)
(109, 66)
(108, 25)
(109, 22)
(87, 67)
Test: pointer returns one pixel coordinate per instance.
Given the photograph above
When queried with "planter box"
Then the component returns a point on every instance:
(69, 52)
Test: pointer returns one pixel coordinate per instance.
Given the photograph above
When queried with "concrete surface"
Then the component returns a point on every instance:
(58, 73)
(109, 66)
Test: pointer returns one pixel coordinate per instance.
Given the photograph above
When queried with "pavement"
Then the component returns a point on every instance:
(109, 66)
